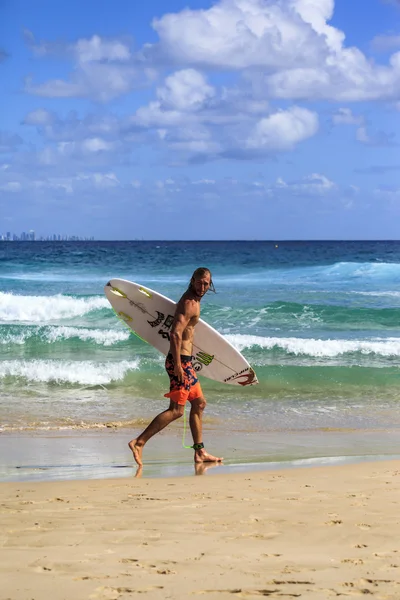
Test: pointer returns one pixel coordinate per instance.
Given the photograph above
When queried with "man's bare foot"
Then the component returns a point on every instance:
(139, 471)
(136, 451)
(201, 456)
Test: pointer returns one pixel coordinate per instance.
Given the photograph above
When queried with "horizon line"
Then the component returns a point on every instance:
(272, 240)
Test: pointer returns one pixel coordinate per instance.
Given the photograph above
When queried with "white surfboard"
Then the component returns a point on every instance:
(150, 314)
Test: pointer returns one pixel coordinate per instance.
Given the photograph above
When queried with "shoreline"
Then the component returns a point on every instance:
(73, 455)
(311, 533)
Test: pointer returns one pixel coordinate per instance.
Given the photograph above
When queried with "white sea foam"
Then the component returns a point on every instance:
(392, 294)
(50, 334)
(319, 348)
(104, 337)
(342, 271)
(15, 338)
(39, 309)
(72, 372)
(353, 270)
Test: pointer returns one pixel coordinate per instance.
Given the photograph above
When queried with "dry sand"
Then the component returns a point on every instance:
(308, 533)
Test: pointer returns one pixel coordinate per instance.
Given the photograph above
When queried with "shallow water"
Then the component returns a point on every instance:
(318, 321)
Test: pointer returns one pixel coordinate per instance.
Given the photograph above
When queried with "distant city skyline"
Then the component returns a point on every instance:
(30, 236)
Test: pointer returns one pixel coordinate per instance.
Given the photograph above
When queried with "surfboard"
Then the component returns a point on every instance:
(150, 315)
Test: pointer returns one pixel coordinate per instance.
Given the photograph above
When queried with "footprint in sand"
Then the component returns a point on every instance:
(166, 572)
(113, 593)
(334, 522)
(151, 567)
(364, 526)
(239, 592)
(374, 582)
(354, 561)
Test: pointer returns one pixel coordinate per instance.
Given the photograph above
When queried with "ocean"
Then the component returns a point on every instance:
(318, 321)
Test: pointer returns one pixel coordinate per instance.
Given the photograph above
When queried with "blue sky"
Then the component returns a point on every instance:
(234, 119)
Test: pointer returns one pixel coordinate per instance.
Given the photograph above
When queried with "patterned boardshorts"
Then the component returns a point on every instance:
(190, 388)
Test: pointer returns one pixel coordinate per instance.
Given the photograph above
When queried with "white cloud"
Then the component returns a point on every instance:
(39, 117)
(246, 33)
(284, 129)
(192, 117)
(185, 90)
(96, 49)
(104, 69)
(183, 94)
(83, 50)
(100, 180)
(344, 116)
(315, 184)
(288, 48)
(71, 128)
(82, 182)
(377, 138)
(96, 145)
(85, 149)
(345, 76)
(317, 13)
(386, 43)
(102, 82)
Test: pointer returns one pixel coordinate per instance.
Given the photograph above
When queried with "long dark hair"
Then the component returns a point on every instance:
(200, 272)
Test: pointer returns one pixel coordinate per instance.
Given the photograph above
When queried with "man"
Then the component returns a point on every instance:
(184, 385)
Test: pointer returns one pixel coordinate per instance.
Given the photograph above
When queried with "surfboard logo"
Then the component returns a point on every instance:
(164, 335)
(168, 321)
(205, 358)
(158, 320)
(245, 377)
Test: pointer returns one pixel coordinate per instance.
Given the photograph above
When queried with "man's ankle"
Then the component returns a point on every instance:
(198, 447)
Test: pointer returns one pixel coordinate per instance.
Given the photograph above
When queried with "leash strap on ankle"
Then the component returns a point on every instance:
(198, 446)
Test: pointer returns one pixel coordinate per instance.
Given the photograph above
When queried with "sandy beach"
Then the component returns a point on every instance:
(316, 533)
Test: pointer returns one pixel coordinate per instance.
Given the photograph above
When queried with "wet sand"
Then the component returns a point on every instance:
(319, 533)
(52, 455)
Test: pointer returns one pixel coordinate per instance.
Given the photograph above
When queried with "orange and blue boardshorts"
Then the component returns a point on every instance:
(189, 388)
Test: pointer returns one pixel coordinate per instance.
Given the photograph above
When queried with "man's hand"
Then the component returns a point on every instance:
(178, 372)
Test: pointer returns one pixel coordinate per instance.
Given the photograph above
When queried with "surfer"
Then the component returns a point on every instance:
(184, 385)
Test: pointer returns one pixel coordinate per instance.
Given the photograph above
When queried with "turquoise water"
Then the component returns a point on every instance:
(318, 321)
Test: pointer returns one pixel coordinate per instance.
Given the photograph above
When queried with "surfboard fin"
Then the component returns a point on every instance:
(143, 290)
(118, 292)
